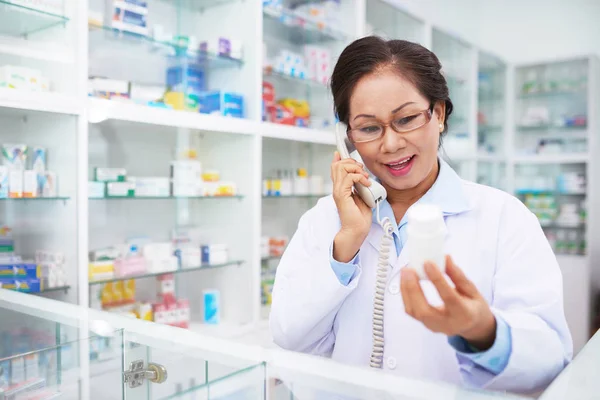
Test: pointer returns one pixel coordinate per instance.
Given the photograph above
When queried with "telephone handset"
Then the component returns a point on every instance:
(372, 196)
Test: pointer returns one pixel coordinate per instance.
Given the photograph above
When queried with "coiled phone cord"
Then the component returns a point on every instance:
(380, 285)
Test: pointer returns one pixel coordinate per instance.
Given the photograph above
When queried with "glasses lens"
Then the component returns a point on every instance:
(410, 122)
(366, 133)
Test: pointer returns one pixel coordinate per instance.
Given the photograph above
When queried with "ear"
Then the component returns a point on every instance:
(439, 110)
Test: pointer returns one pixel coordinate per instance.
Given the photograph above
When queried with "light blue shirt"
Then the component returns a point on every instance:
(446, 193)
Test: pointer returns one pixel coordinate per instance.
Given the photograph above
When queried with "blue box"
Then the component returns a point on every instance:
(186, 79)
(21, 270)
(223, 103)
(212, 307)
(23, 285)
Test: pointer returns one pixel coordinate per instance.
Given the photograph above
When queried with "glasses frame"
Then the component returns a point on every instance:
(428, 115)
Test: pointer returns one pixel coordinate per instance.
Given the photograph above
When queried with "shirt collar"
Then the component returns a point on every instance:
(446, 192)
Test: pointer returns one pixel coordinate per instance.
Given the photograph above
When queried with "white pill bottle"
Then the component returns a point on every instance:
(426, 235)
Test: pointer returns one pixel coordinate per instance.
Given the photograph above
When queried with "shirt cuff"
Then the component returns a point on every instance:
(344, 271)
(496, 357)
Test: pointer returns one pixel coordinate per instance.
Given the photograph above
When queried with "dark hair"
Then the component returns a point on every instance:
(371, 54)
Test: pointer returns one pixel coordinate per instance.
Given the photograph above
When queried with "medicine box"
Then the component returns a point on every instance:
(38, 159)
(212, 309)
(14, 155)
(120, 189)
(22, 78)
(214, 254)
(15, 183)
(129, 15)
(151, 187)
(23, 270)
(30, 184)
(23, 285)
(186, 79)
(222, 103)
(110, 174)
(108, 88)
(3, 182)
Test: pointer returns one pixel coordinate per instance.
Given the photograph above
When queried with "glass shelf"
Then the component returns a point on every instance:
(490, 128)
(549, 127)
(114, 37)
(198, 5)
(55, 289)
(168, 198)
(296, 196)
(270, 258)
(155, 274)
(271, 73)
(536, 95)
(302, 30)
(25, 199)
(18, 20)
(549, 191)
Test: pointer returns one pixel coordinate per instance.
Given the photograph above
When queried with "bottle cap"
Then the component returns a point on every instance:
(425, 219)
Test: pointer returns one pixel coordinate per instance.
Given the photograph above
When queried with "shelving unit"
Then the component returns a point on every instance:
(81, 132)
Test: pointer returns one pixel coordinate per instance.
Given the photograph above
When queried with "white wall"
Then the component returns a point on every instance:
(519, 31)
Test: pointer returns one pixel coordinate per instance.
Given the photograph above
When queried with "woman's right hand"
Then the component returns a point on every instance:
(355, 215)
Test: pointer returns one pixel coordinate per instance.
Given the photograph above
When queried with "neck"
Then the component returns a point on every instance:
(401, 200)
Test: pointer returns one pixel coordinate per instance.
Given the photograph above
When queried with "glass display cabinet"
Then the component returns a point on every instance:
(295, 176)
(57, 350)
(301, 41)
(460, 69)
(39, 114)
(386, 20)
(173, 162)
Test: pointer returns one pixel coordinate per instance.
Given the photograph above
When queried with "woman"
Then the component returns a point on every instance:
(500, 323)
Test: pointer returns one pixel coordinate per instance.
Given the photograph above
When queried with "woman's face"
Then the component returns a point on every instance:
(400, 160)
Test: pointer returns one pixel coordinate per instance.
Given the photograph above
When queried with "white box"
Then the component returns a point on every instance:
(96, 190)
(30, 183)
(151, 187)
(15, 183)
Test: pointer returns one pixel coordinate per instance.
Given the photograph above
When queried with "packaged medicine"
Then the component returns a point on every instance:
(48, 184)
(30, 184)
(14, 155)
(15, 183)
(3, 182)
(212, 309)
(38, 159)
(110, 174)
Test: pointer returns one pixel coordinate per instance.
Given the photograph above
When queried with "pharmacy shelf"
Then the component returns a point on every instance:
(155, 274)
(36, 51)
(557, 93)
(549, 191)
(168, 198)
(269, 73)
(490, 157)
(302, 30)
(490, 128)
(108, 37)
(553, 159)
(21, 102)
(550, 127)
(199, 5)
(296, 196)
(55, 289)
(101, 110)
(19, 20)
(288, 132)
(36, 199)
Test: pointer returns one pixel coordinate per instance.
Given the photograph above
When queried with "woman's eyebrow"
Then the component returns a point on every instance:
(401, 107)
(394, 111)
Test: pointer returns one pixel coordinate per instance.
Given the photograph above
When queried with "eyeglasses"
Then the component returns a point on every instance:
(370, 131)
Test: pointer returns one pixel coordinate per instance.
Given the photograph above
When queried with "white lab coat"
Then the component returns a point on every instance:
(498, 244)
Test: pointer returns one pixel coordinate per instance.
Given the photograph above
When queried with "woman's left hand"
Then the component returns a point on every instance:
(464, 313)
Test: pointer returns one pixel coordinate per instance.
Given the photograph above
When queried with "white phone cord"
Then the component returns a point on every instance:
(381, 283)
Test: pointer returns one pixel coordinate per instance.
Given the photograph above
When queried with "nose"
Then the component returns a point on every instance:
(392, 141)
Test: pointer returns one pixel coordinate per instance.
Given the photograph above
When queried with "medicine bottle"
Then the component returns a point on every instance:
(426, 235)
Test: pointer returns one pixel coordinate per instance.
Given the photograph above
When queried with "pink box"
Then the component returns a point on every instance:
(129, 266)
(159, 311)
(183, 321)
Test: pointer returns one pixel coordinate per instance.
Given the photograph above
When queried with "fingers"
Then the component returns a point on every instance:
(463, 284)
(336, 156)
(351, 179)
(340, 168)
(447, 293)
(415, 303)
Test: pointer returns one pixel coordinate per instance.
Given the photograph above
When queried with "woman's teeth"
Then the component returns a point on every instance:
(401, 164)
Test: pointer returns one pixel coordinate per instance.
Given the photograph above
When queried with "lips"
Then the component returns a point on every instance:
(398, 165)
(401, 167)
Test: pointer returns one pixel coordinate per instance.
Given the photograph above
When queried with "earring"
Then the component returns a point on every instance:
(441, 127)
